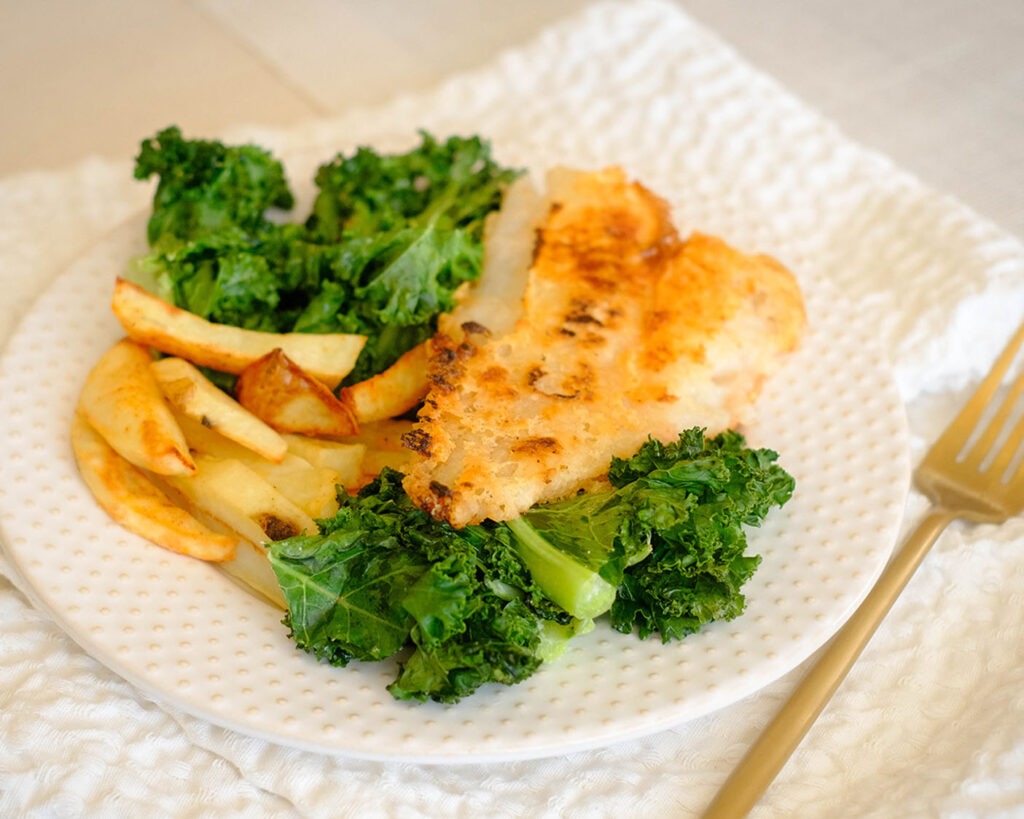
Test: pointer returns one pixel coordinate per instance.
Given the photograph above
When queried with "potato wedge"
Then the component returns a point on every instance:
(251, 568)
(383, 442)
(208, 441)
(135, 502)
(284, 395)
(311, 488)
(383, 435)
(327, 357)
(229, 493)
(393, 392)
(345, 459)
(122, 401)
(195, 396)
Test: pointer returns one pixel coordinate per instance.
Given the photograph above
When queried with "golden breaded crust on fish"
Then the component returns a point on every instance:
(618, 331)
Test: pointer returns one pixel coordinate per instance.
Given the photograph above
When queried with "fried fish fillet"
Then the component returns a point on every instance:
(604, 329)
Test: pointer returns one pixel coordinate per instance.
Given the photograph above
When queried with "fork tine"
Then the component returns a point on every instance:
(983, 447)
(1015, 482)
(949, 446)
(1002, 460)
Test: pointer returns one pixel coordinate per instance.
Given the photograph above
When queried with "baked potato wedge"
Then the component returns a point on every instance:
(311, 488)
(327, 357)
(136, 503)
(122, 401)
(251, 568)
(289, 399)
(236, 497)
(344, 459)
(195, 396)
(393, 392)
(384, 447)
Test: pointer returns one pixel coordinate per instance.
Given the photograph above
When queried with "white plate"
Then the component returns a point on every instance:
(182, 632)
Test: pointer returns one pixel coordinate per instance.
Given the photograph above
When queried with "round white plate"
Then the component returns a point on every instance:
(184, 633)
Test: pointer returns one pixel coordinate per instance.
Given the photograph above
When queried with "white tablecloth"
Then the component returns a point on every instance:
(931, 720)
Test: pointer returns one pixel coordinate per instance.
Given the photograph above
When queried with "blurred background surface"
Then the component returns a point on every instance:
(938, 85)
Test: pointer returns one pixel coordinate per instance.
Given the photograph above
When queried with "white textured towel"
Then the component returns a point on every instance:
(931, 720)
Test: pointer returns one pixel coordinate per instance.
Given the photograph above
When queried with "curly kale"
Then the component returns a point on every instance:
(663, 552)
(383, 576)
(206, 186)
(388, 241)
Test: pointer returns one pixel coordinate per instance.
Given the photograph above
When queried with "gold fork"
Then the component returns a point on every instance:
(973, 472)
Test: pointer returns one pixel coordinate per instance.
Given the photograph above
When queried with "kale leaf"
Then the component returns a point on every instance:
(388, 241)
(383, 575)
(413, 226)
(692, 499)
(452, 184)
(662, 551)
(206, 186)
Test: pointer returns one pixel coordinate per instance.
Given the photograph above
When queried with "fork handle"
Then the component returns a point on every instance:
(769, 753)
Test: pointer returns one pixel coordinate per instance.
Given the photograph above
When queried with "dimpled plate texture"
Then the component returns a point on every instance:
(184, 633)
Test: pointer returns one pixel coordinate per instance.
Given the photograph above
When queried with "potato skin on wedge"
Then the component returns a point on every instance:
(123, 402)
(287, 398)
(131, 499)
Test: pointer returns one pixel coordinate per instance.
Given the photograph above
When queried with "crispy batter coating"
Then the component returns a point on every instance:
(622, 331)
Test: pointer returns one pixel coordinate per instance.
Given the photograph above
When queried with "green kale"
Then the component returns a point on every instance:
(578, 549)
(390, 287)
(413, 226)
(692, 499)
(451, 185)
(383, 575)
(206, 186)
(388, 241)
(664, 549)
(221, 277)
